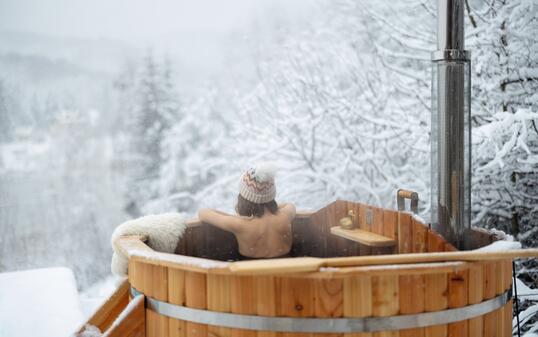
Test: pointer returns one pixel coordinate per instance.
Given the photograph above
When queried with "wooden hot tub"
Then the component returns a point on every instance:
(404, 281)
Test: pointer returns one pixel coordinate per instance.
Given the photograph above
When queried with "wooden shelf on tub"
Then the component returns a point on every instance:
(364, 237)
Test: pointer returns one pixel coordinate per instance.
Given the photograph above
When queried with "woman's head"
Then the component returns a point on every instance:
(257, 191)
(248, 208)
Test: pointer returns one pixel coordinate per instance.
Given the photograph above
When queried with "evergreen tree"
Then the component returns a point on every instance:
(154, 110)
(6, 129)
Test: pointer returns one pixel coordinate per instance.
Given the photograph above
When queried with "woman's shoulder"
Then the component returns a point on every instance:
(288, 209)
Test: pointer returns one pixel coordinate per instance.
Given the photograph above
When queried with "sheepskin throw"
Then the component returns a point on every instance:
(163, 232)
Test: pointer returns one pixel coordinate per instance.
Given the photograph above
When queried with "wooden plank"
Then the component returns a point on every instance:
(328, 300)
(361, 211)
(108, 311)
(314, 238)
(436, 299)
(420, 236)
(507, 314)
(378, 221)
(366, 217)
(353, 247)
(299, 244)
(160, 283)
(220, 244)
(150, 323)
(411, 294)
(490, 270)
(400, 269)
(435, 242)
(137, 250)
(147, 289)
(195, 297)
(155, 280)
(302, 226)
(450, 248)
(243, 301)
(176, 328)
(136, 275)
(276, 266)
(385, 300)
(478, 237)
(404, 233)
(476, 294)
(202, 242)
(310, 264)
(147, 279)
(490, 277)
(303, 216)
(503, 282)
(328, 297)
(266, 300)
(128, 244)
(337, 246)
(499, 289)
(182, 247)
(296, 299)
(390, 224)
(361, 236)
(390, 227)
(133, 323)
(369, 218)
(194, 234)
(176, 295)
(357, 299)
(458, 296)
(218, 299)
(508, 274)
(507, 319)
(160, 277)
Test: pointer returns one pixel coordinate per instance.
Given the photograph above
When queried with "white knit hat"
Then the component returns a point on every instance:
(257, 184)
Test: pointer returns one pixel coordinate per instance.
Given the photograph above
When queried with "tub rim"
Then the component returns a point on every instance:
(412, 263)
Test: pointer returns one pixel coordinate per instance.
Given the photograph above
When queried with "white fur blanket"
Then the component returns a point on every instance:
(163, 231)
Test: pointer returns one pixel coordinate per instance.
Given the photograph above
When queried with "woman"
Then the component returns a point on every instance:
(262, 228)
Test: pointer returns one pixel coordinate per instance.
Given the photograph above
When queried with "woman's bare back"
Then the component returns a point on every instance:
(264, 237)
(268, 236)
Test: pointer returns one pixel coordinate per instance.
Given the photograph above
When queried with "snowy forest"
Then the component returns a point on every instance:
(339, 99)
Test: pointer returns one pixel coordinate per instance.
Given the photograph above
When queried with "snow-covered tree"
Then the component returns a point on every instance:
(12, 114)
(504, 40)
(154, 108)
(6, 127)
(195, 151)
(343, 114)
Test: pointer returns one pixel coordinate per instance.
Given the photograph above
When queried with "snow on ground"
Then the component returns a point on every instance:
(39, 302)
(92, 297)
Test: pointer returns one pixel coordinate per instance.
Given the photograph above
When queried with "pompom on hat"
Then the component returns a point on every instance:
(257, 184)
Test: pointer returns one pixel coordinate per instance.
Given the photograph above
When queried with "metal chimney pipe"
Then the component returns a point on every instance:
(451, 126)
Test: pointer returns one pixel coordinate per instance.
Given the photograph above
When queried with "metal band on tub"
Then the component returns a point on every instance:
(327, 325)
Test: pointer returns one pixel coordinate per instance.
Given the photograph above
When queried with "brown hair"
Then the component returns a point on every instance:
(248, 208)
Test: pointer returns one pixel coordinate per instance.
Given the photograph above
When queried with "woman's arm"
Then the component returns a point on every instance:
(219, 219)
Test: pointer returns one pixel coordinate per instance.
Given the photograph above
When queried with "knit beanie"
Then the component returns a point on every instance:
(257, 184)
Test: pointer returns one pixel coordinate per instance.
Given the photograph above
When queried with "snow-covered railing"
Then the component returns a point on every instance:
(117, 317)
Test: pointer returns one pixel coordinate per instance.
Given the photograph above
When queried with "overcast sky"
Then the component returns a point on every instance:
(132, 20)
